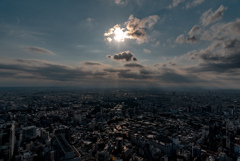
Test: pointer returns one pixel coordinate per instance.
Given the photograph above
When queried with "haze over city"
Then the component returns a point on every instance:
(120, 43)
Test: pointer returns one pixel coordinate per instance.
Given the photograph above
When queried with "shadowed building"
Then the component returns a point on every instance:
(7, 140)
(64, 151)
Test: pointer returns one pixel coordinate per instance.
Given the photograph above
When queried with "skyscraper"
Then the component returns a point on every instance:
(7, 140)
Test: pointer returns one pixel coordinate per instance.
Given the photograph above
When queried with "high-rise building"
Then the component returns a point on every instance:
(29, 133)
(196, 151)
(7, 140)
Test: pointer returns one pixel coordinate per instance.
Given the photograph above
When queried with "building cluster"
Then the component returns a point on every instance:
(118, 125)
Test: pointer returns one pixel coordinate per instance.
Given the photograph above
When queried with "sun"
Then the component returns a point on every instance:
(120, 35)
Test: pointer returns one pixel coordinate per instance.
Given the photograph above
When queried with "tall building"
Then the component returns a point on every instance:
(29, 133)
(230, 135)
(7, 140)
(196, 151)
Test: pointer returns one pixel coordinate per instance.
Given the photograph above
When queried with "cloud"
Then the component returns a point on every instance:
(222, 31)
(7, 74)
(123, 56)
(147, 71)
(135, 29)
(121, 2)
(221, 56)
(194, 3)
(133, 76)
(172, 64)
(133, 65)
(135, 59)
(134, 23)
(38, 50)
(168, 64)
(147, 51)
(191, 39)
(109, 39)
(180, 39)
(39, 72)
(92, 63)
(45, 70)
(111, 70)
(210, 17)
(175, 3)
(116, 33)
(140, 35)
(125, 2)
(195, 30)
(109, 56)
(231, 44)
(89, 19)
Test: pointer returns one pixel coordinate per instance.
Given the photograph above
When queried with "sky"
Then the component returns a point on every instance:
(120, 43)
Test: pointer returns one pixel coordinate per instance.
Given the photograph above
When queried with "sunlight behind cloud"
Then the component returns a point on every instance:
(116, 33)
(120, 35)
(135, 29)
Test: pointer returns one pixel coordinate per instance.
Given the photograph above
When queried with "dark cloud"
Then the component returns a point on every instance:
(137, 34)
(169, 64)
(60, 72)
(92, 63)
(38, 50)
(11, 67)
(146, 71)
(7, 74)
(48, 71)
(134, 76)
(123, 56)
(111, 70)
(221, 63)
(126, 56)
(210, 17)
(132, 65)
(191, 39)
(221, 56)
(135, 59)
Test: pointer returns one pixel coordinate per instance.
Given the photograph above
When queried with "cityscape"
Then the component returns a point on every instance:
(70, 124)
(119, 80)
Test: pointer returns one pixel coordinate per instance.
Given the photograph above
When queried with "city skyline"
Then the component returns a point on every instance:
(120, 43)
